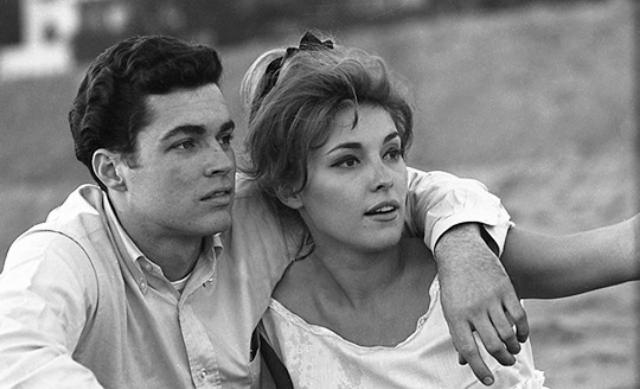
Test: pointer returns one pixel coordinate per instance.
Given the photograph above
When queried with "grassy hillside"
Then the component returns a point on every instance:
(536, 103)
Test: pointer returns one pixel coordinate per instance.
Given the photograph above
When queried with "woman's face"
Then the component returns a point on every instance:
(357, 183)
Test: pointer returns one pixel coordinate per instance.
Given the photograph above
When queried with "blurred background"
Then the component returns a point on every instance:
(533, 98)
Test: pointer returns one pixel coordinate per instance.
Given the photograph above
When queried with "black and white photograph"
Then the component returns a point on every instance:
(363, 194)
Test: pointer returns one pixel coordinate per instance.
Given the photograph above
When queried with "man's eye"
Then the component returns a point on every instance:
(225, 139)
(184, 145)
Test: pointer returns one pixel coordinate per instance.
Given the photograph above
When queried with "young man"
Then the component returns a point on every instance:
(147, 281)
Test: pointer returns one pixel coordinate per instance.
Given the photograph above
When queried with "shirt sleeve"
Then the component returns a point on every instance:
(437, 201)
(261, 237)
(47, 290)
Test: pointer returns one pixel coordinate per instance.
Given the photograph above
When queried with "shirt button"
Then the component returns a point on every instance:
(143, 286)
(203, 373)
(147, 266)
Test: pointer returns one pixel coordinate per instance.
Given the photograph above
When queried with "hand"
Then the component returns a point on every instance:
(477, 295)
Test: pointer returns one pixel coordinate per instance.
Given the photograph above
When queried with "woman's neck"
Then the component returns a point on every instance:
(367, 298)
(357, 275)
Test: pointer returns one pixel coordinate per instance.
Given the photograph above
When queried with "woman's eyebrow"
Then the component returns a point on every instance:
(358, 145)
(346, 145)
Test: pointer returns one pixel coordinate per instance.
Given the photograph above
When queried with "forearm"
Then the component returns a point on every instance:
(455, 216)
(544, 266)
(455, 244)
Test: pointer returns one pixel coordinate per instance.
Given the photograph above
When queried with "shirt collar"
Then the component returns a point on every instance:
(127, 246)
(214, 243)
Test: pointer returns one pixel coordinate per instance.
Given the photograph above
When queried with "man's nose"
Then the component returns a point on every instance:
(220, 162)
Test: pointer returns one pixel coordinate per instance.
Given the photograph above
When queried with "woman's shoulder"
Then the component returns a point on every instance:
(415, 252)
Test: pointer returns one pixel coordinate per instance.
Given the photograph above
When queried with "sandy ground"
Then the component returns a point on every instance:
(588, 341)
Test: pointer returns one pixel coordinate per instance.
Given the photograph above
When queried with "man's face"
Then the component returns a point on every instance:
(182, 182)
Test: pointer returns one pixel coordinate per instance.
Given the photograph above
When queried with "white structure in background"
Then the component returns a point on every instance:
(48, 26)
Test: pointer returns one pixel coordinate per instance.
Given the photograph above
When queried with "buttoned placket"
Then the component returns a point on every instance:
(200, 351)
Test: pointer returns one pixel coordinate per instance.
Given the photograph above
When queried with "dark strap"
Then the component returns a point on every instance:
(277, 369)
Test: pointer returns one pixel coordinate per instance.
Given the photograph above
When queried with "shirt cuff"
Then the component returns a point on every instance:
(496, 224)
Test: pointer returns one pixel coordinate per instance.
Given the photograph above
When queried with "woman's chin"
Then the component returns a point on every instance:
(383, 241)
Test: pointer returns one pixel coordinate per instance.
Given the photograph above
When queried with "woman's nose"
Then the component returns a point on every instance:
(382, 178)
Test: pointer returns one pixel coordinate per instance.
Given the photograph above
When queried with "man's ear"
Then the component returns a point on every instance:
(290, 199)
(107, 166)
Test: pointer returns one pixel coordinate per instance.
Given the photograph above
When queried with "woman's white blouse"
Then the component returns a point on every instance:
(319, 358)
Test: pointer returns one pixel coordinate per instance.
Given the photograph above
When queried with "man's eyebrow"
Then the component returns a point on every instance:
(188, 129)
(391, 136)
(356, 145)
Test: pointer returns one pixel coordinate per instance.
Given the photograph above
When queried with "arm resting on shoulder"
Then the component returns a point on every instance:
(454, 214)
(545, 266)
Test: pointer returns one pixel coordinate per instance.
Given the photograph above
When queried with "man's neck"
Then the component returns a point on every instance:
(175, 258)
(176, 254)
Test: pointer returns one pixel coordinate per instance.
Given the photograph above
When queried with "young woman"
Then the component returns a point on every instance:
(328, 134)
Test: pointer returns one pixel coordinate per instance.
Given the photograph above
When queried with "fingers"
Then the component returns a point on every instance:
(467, 348)
(504, 328)
(518, 316)
(492, 342)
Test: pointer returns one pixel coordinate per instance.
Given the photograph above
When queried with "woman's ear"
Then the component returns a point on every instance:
(107, 167)
(289, 198)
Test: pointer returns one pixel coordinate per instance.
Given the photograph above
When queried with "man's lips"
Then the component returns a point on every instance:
(220, 194)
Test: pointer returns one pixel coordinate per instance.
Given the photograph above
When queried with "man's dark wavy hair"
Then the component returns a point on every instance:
(109, 110)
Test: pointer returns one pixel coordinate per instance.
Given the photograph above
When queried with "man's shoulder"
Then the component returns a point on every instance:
(75, 231)
(246, 188)
(80, 215)
(84, 200)
(250, 203)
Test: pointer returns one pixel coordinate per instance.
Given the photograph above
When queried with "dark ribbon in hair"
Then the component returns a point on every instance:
(309, 42)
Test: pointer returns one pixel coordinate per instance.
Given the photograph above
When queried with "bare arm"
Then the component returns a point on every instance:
(545, 266)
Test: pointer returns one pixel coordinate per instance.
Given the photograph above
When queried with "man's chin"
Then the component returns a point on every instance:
(220, 224)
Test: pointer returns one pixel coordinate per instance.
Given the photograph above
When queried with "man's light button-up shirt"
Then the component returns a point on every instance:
(150, 275)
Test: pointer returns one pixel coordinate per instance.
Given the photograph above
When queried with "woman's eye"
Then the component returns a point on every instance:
(347, 162)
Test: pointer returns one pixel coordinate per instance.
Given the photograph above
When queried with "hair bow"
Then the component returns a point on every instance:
(309, 42)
